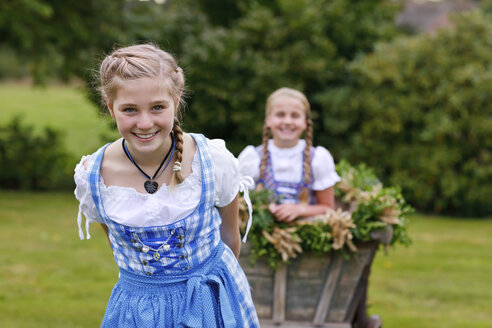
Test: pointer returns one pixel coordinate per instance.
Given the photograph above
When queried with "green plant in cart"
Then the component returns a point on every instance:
(366, 211)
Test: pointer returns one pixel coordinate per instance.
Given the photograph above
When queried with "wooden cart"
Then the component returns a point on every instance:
(313, 291)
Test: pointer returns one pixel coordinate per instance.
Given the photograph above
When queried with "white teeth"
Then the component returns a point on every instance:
(145, 136)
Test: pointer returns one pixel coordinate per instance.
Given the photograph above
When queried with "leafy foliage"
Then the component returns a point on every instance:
(33, 162)
(419, 111)
(372, 208)
(262, 221)
(232, 57)
(66, 38)
(486, 6)
(416, 109)
(360, 182)
(303, 44)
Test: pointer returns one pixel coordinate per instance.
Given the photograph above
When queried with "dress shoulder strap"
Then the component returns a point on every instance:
(259, 150)
(94, 168)
(207, 170)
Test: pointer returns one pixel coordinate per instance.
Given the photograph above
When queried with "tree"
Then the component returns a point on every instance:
(419, 111)
(65, 38)
(232, 65)
(232, 60)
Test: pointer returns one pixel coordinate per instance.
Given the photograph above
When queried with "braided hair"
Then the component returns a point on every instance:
(308, 135)
(147, 61)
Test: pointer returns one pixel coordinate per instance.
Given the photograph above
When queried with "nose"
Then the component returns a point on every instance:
(287, 119)
(145, 121)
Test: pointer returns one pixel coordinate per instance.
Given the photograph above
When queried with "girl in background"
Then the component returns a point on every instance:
(167, 201)
(301, 176)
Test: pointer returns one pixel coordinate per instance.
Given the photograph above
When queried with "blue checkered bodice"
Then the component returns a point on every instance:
(168, 249)
(285, 192)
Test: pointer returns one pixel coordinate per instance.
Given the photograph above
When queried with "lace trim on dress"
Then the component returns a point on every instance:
(246, 183)
(80, 177)
(129, 193)
(87, 222)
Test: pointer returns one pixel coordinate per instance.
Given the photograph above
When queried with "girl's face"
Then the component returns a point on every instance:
(144, 113)
(287, 121)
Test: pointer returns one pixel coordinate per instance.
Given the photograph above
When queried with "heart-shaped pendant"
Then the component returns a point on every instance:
(151, 186)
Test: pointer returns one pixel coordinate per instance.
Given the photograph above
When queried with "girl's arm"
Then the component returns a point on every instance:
(229, 230)
(326, 198)
(288, 212)
(105, 228)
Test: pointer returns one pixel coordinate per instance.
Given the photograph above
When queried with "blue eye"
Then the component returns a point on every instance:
(158, 107)
(129, 109)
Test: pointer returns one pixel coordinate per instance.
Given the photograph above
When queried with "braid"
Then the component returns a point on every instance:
(177, 178)
(264, 159)
(304, 194)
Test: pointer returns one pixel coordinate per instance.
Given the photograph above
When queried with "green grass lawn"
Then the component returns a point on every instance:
(64, 108)
(50, 278)
(442, 280)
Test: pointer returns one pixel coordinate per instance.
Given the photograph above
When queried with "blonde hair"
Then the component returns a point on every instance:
(146, 61)
(308, 135)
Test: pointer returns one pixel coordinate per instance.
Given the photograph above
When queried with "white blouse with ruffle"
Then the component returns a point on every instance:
(287, 164)
(128, 207)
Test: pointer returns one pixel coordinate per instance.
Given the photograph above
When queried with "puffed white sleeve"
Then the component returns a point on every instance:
(228, 178)
(83, 195)
(324, 174)
(249, 163)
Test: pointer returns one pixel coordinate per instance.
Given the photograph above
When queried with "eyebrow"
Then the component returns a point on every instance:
(127, 105)
(163, 101)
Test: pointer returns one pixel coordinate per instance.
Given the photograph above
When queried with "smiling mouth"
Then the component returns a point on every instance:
(145, 136)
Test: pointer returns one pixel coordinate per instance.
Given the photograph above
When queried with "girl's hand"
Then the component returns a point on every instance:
(287, 212)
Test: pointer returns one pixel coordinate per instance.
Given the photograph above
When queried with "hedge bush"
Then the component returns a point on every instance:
(232, 65)
(419, 110)
(30, 161)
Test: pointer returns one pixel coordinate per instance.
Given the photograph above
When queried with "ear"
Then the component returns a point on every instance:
(110, 106)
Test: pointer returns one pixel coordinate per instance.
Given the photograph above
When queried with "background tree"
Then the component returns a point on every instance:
(419, 110)
(416, 108)
(486, 6)
(65, 38)
(304, 44)
(232, 60)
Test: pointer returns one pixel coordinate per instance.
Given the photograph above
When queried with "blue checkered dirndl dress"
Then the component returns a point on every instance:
(176, 275)
(286, 192)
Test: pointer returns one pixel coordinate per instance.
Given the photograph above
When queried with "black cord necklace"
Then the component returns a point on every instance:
(150, 185)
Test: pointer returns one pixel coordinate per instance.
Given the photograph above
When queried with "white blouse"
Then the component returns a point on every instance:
(127, 206)
(287, 164)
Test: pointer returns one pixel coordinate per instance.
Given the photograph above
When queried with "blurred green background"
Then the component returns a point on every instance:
(413, 103)
(415, 106)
